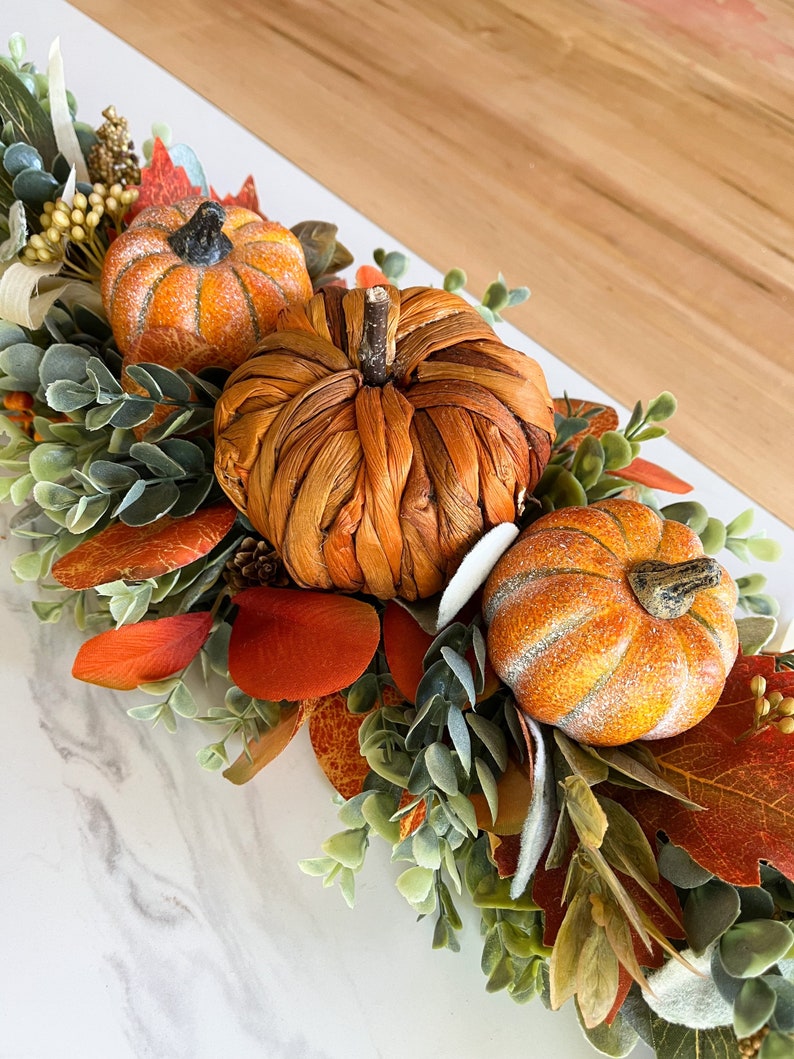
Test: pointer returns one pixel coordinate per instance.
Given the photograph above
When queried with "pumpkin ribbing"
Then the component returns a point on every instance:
(381, 487)
(569, 636)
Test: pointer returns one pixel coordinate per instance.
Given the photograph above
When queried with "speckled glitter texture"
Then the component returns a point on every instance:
(570, 638)
(231, 304)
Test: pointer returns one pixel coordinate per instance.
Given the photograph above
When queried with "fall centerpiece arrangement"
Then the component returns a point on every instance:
(347, 504)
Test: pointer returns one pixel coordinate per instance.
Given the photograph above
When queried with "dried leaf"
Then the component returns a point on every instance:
(294, 644)
(65, 136)
(140, 654)
(473, 571)
(539, 823)
(134, 553)
(269, 745)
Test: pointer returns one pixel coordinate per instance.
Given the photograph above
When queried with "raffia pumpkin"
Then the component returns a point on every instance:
(222, 273)
(376, 435)
(610, 623)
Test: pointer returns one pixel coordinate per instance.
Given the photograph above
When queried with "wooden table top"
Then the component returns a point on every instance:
(629, 160)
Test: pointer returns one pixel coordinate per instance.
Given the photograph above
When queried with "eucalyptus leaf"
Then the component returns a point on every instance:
(753, 1006)
(21, 362)
(157, 460)
(462, 670)
(708, 912)
(347, 847)
(441, 768)
(157, 500)
(676, 865)
(415, 884)
(492, 737)
(750, 948)
(50, 462)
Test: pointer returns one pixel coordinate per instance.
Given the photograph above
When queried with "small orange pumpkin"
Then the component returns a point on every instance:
(222, 273)
(609, 622)
(375, 435)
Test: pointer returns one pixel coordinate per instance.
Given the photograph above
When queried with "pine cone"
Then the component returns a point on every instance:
(112, 160)
(255, 563)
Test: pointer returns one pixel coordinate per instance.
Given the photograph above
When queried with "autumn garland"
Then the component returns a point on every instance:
(383, 450)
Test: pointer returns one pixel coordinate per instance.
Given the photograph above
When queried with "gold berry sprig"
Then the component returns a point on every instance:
(76, 234)
(773, 709)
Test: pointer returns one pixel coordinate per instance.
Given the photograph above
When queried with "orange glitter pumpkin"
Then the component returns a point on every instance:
(222, 273)
(610, 623)
(375, 435)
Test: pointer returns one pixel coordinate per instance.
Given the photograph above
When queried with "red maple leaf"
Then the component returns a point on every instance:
(245, 197)
(744, 787)
(162, 182)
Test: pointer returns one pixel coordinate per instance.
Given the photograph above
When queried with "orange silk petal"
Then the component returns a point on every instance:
(646, 473)
(370, 276)
(133, 553)
(515, 794)
(293, 644)
(138, 654)
(272, 742)
(333, 730)
(405, 643)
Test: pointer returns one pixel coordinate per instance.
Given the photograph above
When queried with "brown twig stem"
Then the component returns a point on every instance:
(374, 343)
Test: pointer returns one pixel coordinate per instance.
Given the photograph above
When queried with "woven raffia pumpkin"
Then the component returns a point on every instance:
(376, 435)
(222, 273)
(610, 623)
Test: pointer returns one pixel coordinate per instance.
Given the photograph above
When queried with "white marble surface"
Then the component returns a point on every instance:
(151, 909)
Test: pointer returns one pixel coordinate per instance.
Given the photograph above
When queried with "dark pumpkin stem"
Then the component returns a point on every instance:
(372, 357)
(200, 241)
(667, 590)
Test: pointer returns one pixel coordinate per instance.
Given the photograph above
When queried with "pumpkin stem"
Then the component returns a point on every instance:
(374, 343)
(667, 590)
(200, 240)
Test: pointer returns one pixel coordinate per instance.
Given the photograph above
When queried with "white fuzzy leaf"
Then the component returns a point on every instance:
(17, 233)
(688, 999)
(539, 822)
(474, 570)
(62, 126)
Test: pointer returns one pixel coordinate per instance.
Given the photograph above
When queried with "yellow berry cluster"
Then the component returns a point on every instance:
(774, 708)
(79, 224)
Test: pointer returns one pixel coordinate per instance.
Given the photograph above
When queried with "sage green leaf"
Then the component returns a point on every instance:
(48, 612)
(689, 512)
(682, 1042)
(459, 734)
(441, 767)
(186, 454)
(748, 949)
(101, 376)
(68, 396)
(182, 702)
(777, 1046)
(713, 537)
(617, 1040)
(587, 816)
(462, 670)
(464, 810)
(755, 632)
(649, 434)
(676, 865)
(131, 605)
(678, 995)
(756, 903)
(21, 489)
(21, 362)
(28, 120)
(378, 809)
(171, 384)
(455, 280)
(616, 449)
(660, 408)
(489, 787)
(111, 476)
(28, 566)
(53, 497)
(623, 761)
(425, 847)
(394, 767)
(493, 738)
(86, 513)
(127, 413)
(501, 976)
(49, 462)
(172, 424)
(742, 524)
(416, 884)
(709, 910)
(753, 1007)
(766, 550)
(317, 866)
(588, 461)
(149, 712)
(784, 1008)
(157, 499)
(192, 496)
(157, 460)
(347, 847)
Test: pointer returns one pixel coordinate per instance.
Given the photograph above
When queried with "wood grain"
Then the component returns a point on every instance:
(630, 160)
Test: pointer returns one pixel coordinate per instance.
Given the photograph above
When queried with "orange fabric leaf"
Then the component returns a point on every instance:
(133, 553)
(504, 853)
(744, 787)
(333, 730)
(405, 643)
(138, 654)
(294, 644)
(162, 182)
(414, 819)
(624, 985)
(515, 794)
(370, 276)
(270, 744)
(646, 473)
